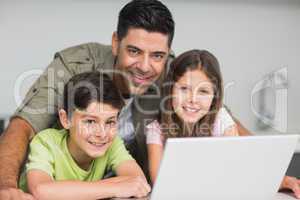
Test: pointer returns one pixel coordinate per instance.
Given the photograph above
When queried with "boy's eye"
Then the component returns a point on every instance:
(111, 123)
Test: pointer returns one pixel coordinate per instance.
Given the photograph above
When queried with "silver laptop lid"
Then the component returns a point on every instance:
(232, 168)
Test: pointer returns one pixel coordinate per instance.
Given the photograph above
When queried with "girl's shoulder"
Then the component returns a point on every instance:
(154, 133)
(223, 121)
(153, 125)
(223, 114)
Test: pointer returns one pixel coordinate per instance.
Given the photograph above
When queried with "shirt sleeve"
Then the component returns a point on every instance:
(117, 154)
(154, 133)
(223, 121)
(40, 105)
(40, 155)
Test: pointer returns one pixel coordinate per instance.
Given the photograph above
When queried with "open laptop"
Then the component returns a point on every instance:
(233, 168)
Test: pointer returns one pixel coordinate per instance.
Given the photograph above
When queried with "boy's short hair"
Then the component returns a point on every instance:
(151, 15)
(85, 88)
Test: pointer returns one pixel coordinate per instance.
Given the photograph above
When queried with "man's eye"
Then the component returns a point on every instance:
(133, 52)
(158, 57)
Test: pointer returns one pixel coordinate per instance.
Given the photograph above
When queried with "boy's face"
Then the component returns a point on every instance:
(92, 130)
(141, 58)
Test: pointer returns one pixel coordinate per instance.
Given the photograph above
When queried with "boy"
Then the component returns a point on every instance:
(70, 163)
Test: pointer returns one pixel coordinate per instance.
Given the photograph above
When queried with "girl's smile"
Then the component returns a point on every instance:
(192, 95)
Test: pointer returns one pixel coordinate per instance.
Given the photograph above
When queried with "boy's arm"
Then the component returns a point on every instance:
(13, 147)
(42, 186)
(130, 182)
(130, 168)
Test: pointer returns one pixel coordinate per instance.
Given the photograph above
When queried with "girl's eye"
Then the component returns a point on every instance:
(90, 121)
(183, 88)
(203, 92)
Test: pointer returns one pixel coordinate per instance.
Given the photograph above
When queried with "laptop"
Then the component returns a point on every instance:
(232, 168)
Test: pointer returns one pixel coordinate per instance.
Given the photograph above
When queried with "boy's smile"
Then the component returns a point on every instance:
(92, 131)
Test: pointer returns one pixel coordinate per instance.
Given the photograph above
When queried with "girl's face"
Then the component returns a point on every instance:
(92, 130)
(192, 96)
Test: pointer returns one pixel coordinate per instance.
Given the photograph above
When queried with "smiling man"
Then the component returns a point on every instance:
(142, 56)
(137, 61)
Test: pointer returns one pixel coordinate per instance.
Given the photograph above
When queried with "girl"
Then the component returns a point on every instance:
(192, 105)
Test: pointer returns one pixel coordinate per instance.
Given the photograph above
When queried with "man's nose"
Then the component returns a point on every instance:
(144, 65)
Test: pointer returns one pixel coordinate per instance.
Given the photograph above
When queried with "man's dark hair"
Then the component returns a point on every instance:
(85, 88)
(151, 15)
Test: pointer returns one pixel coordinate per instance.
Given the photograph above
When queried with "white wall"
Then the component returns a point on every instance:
(250, 38)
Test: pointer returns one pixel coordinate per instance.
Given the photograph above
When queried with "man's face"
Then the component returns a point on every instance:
(141, 58)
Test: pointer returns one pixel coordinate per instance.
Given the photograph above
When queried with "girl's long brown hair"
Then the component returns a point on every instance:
(191, 60)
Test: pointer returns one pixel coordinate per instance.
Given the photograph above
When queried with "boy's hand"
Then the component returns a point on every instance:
(125, 187)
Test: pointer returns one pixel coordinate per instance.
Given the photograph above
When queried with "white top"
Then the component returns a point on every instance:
(223, 121)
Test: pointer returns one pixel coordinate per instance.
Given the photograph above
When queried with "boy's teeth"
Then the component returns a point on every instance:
(97, 144)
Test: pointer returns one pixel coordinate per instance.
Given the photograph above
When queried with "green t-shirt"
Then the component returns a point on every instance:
(49, 153)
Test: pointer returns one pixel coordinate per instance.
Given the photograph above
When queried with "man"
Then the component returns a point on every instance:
(137, 61)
